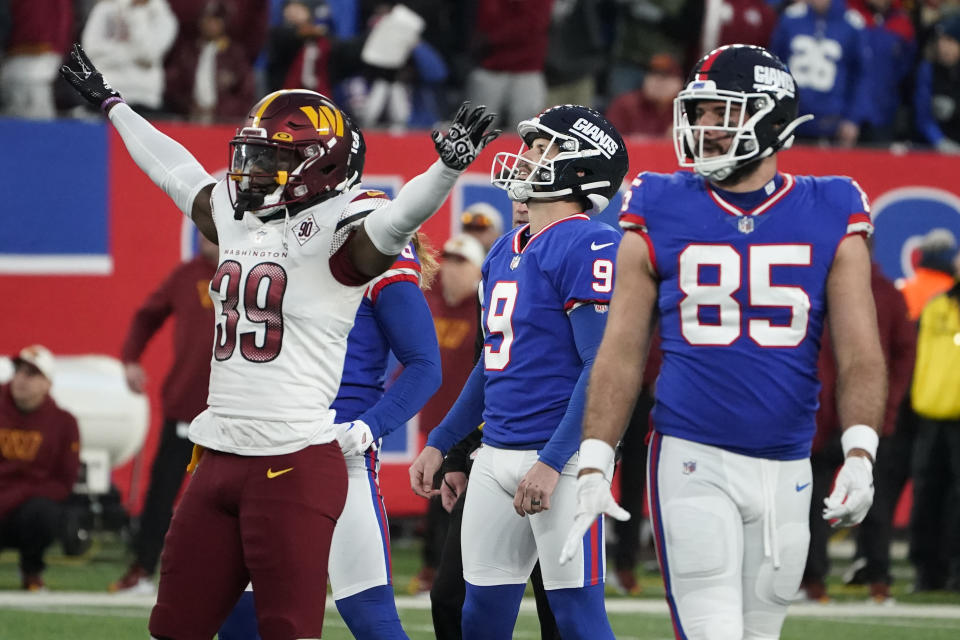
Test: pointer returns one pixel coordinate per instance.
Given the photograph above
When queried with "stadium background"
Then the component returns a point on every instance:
(86, 236)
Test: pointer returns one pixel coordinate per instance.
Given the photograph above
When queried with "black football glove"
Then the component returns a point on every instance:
(466, 137)
(88, 82)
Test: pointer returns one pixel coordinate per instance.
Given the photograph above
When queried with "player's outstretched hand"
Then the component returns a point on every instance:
(593, 499)
(354, 437)
(423, 470)
(466, 137)
(87, 81)
(852, 493)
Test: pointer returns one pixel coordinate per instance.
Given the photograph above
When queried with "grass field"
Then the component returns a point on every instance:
(77, 606)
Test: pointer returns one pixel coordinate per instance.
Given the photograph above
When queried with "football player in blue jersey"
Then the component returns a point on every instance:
(545, 291)
(393, 316)
(742, 264)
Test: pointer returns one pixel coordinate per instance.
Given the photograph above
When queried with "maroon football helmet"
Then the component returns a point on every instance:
(295, 146)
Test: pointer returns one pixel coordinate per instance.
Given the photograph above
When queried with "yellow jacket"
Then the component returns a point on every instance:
(936, 378)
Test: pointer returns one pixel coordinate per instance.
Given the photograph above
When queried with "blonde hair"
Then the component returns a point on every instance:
(428, 259)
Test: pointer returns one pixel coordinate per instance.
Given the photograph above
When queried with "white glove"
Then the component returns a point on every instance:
(593, 499)
(354, 437)
(852, 493)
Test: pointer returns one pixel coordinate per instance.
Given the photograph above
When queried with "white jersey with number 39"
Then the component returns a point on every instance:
(282, 321)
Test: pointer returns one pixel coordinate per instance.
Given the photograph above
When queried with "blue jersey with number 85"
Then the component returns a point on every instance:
(742, 302)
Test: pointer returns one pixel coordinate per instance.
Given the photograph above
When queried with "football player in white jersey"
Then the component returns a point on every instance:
(299, 241)
(393, 318)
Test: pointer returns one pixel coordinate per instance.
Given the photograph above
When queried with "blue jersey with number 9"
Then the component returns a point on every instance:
(742, 302)
(530, 285)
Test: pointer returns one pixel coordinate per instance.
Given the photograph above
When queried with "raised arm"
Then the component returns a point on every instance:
(386, 231)
(163, 159)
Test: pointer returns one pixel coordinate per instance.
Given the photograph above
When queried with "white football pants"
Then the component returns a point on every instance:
(500, 547)
(731, 533)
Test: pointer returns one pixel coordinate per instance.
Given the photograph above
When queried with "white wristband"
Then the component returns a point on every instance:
(860, 436)
(596, 454)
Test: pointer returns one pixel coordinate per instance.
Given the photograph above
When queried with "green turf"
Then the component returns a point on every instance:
(120, 624)
(108, 558)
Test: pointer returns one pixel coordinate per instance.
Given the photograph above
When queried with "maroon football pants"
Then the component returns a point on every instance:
(267, 520)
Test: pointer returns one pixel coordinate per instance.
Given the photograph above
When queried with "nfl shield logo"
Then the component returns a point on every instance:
(689, 466)
(745, 224)
(515, 262)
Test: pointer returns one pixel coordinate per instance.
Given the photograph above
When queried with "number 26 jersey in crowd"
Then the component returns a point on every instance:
(742, 302)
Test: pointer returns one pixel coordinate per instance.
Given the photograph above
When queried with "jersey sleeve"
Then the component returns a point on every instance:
(633, 212)
(856, 207)
(404, 318)
(360, 206)
(585, 274)
(405, 269)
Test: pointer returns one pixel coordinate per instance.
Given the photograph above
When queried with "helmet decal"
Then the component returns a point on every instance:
(584, 158)
(773, 80)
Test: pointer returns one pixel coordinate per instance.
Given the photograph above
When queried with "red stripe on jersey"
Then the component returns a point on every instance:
(646, 238)
(860, 223)
(595, 552)
(400, 277)
(516, 237)
(403, 263)
(570, 304)
(772, 199)
(858, 217)
(632, 221)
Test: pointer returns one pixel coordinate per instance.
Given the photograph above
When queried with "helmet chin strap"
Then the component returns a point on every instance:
(267, 206)
(733, 172)
(520, 191)
(715, 175)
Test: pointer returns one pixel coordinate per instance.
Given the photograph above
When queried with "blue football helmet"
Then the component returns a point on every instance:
(591, 163)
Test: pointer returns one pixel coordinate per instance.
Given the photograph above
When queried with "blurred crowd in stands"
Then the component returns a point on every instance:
(873, 72)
